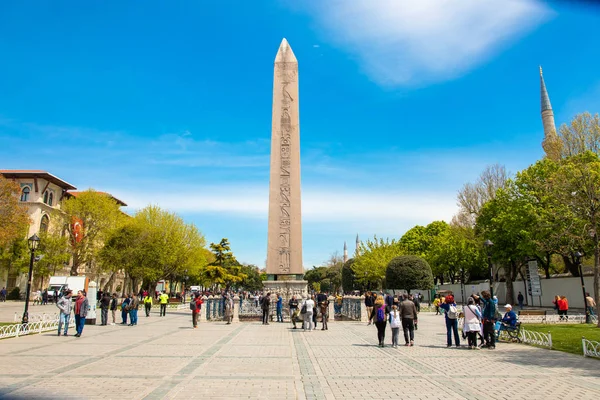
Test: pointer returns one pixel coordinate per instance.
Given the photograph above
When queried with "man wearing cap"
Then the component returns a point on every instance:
(509, 321)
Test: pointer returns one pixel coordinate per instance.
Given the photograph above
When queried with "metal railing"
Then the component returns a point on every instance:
(214, 308)
(557, 319)
(351, 308)
(16, 330)
(536, 338)
(36, 317)
(591, 348)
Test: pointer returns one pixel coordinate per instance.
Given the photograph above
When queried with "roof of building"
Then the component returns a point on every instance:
(120, 202)
(34, 173)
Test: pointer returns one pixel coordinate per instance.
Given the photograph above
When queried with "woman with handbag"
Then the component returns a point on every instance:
(472, 323)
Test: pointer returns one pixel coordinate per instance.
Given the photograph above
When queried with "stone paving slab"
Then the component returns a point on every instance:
(164, 358)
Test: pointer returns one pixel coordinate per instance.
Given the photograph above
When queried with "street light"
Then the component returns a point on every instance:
(577, 256)
(33, 243)
(488, 245)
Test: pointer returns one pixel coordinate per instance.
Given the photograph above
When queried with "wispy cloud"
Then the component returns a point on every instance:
(416, 42)
(320, 205)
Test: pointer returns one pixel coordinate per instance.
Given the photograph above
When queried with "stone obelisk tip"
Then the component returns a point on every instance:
(285, 53)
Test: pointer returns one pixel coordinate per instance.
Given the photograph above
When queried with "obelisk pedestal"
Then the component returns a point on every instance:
(284, 245)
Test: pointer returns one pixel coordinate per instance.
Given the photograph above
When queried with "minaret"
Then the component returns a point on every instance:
(357, 244)
(345, 253)
(551, 142)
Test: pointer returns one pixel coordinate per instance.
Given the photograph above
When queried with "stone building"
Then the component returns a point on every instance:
(42, 194)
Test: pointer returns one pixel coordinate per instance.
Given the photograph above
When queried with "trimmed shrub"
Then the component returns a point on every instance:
(408, 273)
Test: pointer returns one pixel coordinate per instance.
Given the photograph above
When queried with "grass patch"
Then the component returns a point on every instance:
(567, 338)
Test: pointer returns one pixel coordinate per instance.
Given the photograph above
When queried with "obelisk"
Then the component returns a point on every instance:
(284, 244)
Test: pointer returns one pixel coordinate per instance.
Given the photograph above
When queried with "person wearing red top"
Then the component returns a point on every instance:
(196, 312)
(563, 307)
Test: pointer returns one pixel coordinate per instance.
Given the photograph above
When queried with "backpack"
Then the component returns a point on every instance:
(452, 312)
(381, 314)
(193, 305)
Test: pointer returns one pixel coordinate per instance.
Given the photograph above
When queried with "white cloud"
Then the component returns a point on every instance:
(415, 42)
(351, 207)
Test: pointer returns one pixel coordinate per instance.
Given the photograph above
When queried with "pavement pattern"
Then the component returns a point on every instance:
(164, 358)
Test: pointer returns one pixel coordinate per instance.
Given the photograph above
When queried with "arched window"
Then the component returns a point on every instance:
(44, 223)
(46, 197)
(25, 193)
(50, 199)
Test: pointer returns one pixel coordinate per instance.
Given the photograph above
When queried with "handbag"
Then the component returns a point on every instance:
(303, 310)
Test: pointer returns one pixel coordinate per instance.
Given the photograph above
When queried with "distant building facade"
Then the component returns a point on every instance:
(42, 194)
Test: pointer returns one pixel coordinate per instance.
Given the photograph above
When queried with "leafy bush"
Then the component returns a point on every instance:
(408, 273)
(14, 294)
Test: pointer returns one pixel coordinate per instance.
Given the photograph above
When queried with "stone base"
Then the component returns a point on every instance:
(286, 288)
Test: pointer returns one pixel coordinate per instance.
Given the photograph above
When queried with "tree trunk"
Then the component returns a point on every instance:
(510, 291)
(109, 283)
(545, 263)
(570, 265)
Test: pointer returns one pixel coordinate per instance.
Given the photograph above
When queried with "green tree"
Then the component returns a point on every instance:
(578, 180)
(348, 277)
(155, 244)
(54, 253)
(408, 273)
(457, 253)
(581, 135)
(99, 213)
(373, 257)
(225, 269)
(252, 282)
(315, 276)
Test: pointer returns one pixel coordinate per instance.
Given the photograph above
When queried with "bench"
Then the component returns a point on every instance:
(532, 312)
(533, 316)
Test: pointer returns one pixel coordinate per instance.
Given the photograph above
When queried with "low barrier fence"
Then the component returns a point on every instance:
(20, 329)
(591, 348)
(557, 319)
(36, 317)
(351, 308)
(536, 338)
(213, 307)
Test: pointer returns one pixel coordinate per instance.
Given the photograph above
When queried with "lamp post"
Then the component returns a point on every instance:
(577, 256)
(488, 245)
(33, 243)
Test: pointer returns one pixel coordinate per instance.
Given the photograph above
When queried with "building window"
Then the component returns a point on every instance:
(25, 194)
(51, 199)
(45, 222)
(46, 197)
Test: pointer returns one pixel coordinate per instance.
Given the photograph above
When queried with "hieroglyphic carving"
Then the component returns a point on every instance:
(287, 76)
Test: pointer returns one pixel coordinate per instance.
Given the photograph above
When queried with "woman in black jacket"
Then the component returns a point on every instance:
(380, 315)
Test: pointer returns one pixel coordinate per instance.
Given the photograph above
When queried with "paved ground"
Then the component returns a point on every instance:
(165, 358)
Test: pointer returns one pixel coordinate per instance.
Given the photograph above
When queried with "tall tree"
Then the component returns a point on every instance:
(89, 218)
(225, 269)
(472, 197)
(581, 135)
(579, 181)
(54, 253)
(374, 255)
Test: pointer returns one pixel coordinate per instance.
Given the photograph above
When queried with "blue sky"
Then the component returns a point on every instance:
(401, 103)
